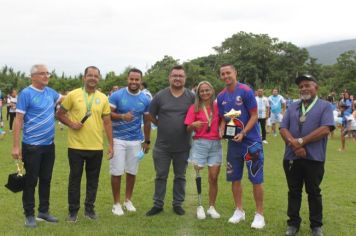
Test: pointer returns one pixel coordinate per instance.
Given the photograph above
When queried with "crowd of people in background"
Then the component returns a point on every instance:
(9, 101)
(272, 108)
(177, 112)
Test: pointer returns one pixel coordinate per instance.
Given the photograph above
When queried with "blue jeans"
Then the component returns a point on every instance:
(206, 151)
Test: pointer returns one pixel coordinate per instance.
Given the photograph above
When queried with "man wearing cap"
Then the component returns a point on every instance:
(305, 128)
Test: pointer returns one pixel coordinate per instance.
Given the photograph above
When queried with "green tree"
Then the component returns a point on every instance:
(157, 76)
(346, 71)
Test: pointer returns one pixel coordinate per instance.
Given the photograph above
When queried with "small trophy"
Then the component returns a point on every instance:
(231, 130)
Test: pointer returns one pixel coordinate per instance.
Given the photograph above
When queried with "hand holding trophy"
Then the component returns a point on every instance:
(231, 129)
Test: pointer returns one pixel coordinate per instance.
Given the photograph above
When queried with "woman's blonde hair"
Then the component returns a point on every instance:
(198, 103)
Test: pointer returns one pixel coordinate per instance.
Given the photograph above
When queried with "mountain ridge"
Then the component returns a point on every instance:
(327, 53)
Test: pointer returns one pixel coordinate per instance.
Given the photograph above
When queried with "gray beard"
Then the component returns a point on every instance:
(305, 97)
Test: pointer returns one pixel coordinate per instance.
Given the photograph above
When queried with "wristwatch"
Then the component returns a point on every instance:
(300, 141)
(147, 141)
(243, 133)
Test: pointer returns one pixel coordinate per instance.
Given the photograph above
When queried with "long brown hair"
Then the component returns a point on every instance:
(198, 103)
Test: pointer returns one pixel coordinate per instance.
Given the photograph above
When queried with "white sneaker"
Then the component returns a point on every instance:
(237, 216)
(265, 142)
(129, 206)
(258, 222)
(117, 209)
(213, 213)
(201, 213)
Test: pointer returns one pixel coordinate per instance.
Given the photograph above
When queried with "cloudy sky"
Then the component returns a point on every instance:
(69, 35)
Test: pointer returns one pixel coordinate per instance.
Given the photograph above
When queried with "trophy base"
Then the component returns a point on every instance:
(231, 131)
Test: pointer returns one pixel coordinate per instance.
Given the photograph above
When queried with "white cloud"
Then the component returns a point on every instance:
(68, 35)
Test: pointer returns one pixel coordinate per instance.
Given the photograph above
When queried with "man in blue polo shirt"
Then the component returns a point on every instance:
(35, 113)
(305, 129)
(246, 146)
(128, 106)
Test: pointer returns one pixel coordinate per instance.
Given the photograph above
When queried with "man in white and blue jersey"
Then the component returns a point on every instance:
(277, 107)
(263, 112)
(35, 113)
(128, 106)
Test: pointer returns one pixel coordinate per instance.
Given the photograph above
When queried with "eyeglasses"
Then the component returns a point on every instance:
(43, 74)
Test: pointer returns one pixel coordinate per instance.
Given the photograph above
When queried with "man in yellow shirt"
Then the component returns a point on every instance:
(86, 111)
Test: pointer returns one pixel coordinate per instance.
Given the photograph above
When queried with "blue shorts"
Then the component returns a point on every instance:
(252, 154)
(206, 151)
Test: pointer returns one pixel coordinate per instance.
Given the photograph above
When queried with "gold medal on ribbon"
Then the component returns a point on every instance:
(302, 118)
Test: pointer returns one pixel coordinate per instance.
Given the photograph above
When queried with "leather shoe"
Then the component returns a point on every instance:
(178, 210)
(316, 231)
(291, 230)
(154, 211)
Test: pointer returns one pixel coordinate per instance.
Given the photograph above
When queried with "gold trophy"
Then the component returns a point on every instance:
(231, 130)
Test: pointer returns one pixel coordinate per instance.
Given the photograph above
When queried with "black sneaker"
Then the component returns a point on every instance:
(178, 210)
(154, 211)
(291, 230)
(30, 222)
(317, 231)
(90, 214)
(46, 217)
(72, 217)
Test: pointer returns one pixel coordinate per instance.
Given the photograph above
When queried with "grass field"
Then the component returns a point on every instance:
(338, 189)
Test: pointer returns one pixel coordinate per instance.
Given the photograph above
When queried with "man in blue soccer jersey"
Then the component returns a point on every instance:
(246, 146)
(128, 106)
(35, 113)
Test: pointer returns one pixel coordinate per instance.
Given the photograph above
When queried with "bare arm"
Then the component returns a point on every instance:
(108, 131)
(268, 114)
(222, 127)
(195, 125)
(18, 123)
(298, 149)
(153, 120)
(116, 116)
(316, 135)
(146, 131)
(63, 118)
(284, 105)
(251, 122)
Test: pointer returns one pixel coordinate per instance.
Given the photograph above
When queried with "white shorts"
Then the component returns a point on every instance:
(125, 157)
(276, 118)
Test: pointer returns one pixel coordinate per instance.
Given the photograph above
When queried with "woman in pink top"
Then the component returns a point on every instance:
(203, 119)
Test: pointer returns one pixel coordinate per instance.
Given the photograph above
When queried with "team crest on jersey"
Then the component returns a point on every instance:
(239, 101)
(223, 103)
(36, 100)
(97, 101)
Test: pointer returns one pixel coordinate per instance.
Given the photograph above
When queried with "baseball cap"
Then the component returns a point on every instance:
(305, 77)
